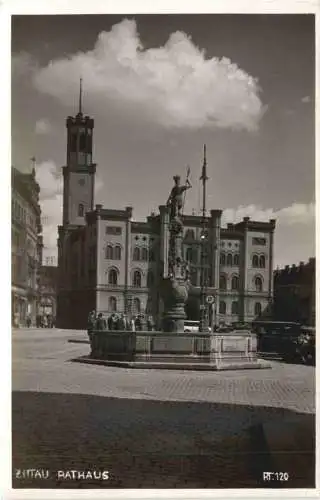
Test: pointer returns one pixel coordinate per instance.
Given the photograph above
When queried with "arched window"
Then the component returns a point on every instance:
(255, 261)
(223, 282)
(262, 261)
(151, 255)
(112, 304)
(144, 254)
(222, 259)
(235, 283)
(109, 252)
(189, 234)
(222, 307)
(136, 253)
(189, 254)
(236, 259)
(137, 279)
(229, 259)
(80, 210)
(258, 284)
(257, 309)
(194, 277)
(136, 305)
(150, 278)
(112, 277)
(117, 252)
(234, 308)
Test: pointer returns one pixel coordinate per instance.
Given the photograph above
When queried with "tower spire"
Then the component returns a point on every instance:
(80, 98)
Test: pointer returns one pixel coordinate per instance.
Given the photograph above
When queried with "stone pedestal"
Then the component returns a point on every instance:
(175, 295)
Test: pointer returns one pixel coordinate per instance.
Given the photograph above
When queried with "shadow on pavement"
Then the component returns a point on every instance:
(154, 444)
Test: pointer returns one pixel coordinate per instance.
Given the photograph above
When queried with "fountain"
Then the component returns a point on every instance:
(172, 348)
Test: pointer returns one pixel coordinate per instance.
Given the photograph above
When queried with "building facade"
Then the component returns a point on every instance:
(109, 262)
(26, 244)
(47, 304)
(294, 293)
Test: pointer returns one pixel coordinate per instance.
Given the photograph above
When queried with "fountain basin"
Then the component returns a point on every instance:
(171, 350)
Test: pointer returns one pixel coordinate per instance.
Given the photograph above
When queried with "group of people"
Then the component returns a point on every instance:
(119, 321)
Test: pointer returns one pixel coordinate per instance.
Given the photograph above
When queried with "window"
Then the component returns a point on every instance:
(136, 253)
(117, 252)
(229, 259)
(113, 230)
(223, 282)
(112, 304)
(189, 234)
(257, 309)
(82, 146)
(150, 278)
(80, 210)
(262, 261)
(234, 308)
(113, 277)
(137, 279)
(222, 259)
(222, 307)
(258, 284)
(109, 252)
(151, 255)
(194, 276)
(236, 259)
(255, 261)
(189, 254)
(259, 241)
(144, 254)
(235, 283)
(136, 305)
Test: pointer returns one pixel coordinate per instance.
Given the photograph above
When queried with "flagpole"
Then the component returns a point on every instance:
(203, 327)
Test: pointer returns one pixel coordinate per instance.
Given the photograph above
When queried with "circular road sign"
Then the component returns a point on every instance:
(210, 299)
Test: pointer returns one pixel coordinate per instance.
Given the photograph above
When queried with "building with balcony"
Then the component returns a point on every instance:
(109, 262)
(26, 241)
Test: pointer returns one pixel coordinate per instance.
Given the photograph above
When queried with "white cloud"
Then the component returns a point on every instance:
(43, 127)
(297, 213)
(306, 99)
(174, 85)
(22, 64)
(294, 233)
(49, 177)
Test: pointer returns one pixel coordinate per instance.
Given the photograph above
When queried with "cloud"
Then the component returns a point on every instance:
(173, 85)
(306, 99)
(297, 213)
(43, 127)
(295, 229)
(22, 64)
(49, 177)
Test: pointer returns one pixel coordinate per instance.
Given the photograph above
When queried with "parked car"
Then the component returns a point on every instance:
(290, 340)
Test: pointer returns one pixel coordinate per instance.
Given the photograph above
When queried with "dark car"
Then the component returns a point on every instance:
(291, 341)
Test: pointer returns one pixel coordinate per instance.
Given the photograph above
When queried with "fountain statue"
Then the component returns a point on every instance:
(175, 286)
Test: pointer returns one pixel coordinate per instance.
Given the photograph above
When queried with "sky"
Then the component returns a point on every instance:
(158, 88)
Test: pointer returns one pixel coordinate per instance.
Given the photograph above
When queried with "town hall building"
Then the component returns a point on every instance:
(109, 263)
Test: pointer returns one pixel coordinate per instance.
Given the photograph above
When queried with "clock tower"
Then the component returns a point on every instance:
(79, 172)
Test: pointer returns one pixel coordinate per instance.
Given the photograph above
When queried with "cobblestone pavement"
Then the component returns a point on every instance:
(156, 428)
(38, 354)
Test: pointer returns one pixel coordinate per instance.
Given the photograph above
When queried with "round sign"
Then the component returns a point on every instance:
(210, 299)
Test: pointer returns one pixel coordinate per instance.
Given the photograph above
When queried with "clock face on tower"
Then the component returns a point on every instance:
(81, 182)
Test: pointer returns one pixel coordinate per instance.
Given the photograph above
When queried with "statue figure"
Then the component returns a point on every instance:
(175, 200)
(176, 284)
